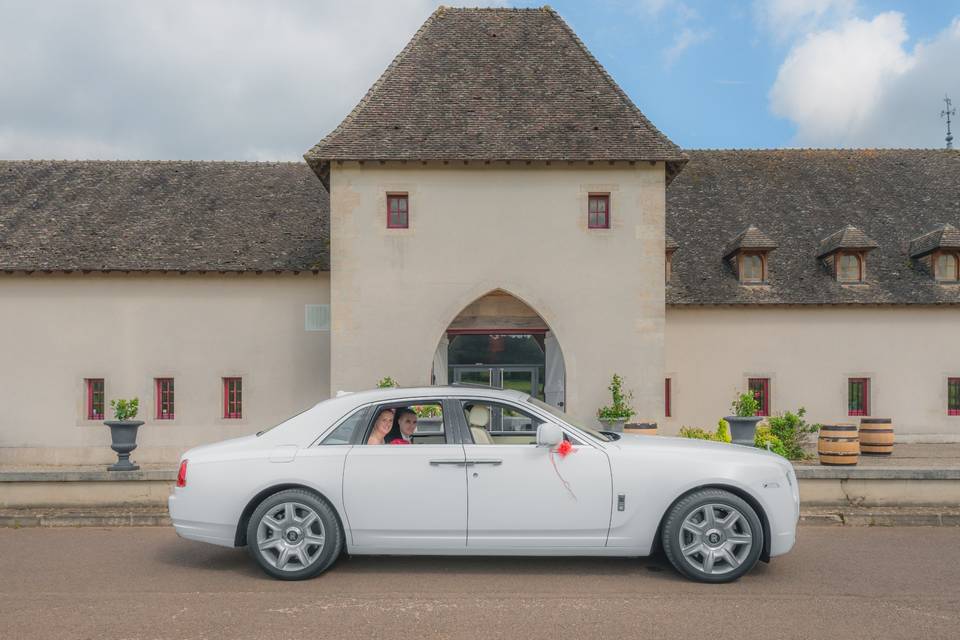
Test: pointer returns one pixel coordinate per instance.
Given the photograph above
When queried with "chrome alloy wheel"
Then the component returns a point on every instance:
(290, 536)
(715, 538)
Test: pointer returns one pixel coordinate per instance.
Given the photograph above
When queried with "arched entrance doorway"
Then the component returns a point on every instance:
(499, 341)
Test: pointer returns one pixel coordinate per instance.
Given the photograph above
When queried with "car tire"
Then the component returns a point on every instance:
(294, 535)
(712, 536)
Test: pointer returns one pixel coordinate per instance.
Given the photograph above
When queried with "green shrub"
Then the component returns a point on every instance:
(620, 409)
(125, 409)
(387, 382)
(764, 439)
(792, 431)
(745, 406)
(722, 434)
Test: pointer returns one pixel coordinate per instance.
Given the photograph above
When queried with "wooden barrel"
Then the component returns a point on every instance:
(876, 436)
(838, 444)
(641, 428)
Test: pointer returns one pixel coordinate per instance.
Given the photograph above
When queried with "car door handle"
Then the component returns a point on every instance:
(485, 461)
(437, 463)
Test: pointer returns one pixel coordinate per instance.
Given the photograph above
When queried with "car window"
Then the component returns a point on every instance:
(343, 434)
(495, 423)
(420, 423)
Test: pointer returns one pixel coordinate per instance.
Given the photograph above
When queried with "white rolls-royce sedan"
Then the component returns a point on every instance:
(477, 471)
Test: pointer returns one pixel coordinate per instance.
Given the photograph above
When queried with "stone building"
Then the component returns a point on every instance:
(500, 214)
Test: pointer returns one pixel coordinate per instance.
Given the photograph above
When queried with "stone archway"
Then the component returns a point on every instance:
(499, 340)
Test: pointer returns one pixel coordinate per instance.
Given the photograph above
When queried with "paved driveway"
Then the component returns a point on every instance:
(147, 583)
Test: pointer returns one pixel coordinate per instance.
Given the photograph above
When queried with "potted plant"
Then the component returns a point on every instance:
(743, 424)
(123, 432)
(615, 415)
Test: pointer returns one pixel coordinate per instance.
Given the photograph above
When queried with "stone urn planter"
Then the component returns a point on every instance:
(613, 425)
(743, 429)
(123, 440)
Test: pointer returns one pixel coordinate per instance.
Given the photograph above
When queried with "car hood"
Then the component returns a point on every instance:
(688, 447)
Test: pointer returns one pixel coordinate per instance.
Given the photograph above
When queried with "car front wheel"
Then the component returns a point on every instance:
(294, 535)
(712, 535)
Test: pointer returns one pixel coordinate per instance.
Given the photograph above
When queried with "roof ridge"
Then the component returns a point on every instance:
(609, 79)
(431, 19)
(118, 161)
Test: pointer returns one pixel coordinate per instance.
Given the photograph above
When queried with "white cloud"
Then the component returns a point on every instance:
(857, 85)
(685, 39)
(216, 79)
(787, 18)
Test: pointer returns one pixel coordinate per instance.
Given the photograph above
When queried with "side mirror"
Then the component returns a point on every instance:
(549, 435)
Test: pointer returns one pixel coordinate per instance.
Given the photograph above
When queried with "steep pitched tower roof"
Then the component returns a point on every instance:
(495, 84)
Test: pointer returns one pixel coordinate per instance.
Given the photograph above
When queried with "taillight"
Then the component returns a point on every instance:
(182, 474)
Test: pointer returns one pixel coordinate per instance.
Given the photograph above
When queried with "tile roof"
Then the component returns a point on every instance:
(800, 197)
(750, 238)
(179, 216)
(946, 236)
(495, 84)
(847, 238)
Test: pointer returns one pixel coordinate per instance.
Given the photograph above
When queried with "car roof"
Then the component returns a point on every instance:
(445, 391)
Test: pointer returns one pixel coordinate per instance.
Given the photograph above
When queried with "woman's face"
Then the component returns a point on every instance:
(408, 424)
(384, 423)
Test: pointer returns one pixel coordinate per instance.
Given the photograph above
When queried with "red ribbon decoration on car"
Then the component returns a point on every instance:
(563, 450)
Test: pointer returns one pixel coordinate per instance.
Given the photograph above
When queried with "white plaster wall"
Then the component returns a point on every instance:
(808, 354)
(520, 228)
(57, 330)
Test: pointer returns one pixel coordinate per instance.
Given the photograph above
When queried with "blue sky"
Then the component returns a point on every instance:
(714, 93)
(253, 80)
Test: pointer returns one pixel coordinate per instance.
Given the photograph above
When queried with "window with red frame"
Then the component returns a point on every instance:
(398, 211)
(164, 398)
(232, 397)
(95, 396)
(953, 396)
(667, 400)
(598, 211)
(760, 388)
(858, 396)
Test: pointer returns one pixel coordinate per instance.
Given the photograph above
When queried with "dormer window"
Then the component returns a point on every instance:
(849, 267)
(947, 267)
(938, 253)
(845, 254)
(671, 246)
(752, 268)
(747, 255)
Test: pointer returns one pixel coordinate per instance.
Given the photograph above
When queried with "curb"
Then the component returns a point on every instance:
(31, 518)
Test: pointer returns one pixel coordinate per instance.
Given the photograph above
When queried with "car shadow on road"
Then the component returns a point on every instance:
(198, 555)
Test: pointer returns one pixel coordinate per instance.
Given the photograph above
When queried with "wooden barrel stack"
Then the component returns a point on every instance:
(838, 444)
(876, 436)
(641, 428)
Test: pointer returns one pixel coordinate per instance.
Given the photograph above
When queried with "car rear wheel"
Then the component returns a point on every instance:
(294, 535)
(712, 535)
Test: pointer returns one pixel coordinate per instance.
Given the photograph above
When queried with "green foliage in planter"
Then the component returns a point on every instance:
(745, 406)
(722, 434)
(620, 409)
(387, 382)
(427, 411)
(792, 431)
(764, 439)
(125, 409)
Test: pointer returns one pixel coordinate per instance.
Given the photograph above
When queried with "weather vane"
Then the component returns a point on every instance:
(947, 113)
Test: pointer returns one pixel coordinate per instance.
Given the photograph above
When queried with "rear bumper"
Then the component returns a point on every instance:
(212, 533)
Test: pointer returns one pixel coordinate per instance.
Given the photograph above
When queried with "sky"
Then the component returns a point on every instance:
(258, 80)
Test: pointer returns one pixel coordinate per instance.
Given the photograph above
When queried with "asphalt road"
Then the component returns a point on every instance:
(147, 583)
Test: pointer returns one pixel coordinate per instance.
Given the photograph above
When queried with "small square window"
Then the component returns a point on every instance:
(858, 397)
(598, 211)
(760, 388)
(953, 396)
(164, 396)
(947, 267)
(751, 268)
(233, 398)
(398, 211)
(95, 398)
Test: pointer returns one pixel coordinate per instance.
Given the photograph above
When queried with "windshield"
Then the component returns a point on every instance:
(566, 418)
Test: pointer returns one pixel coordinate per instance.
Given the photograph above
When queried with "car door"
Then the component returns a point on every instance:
(525, 497)
(408, 498)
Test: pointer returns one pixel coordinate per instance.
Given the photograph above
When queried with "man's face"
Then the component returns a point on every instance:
(408, 424)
